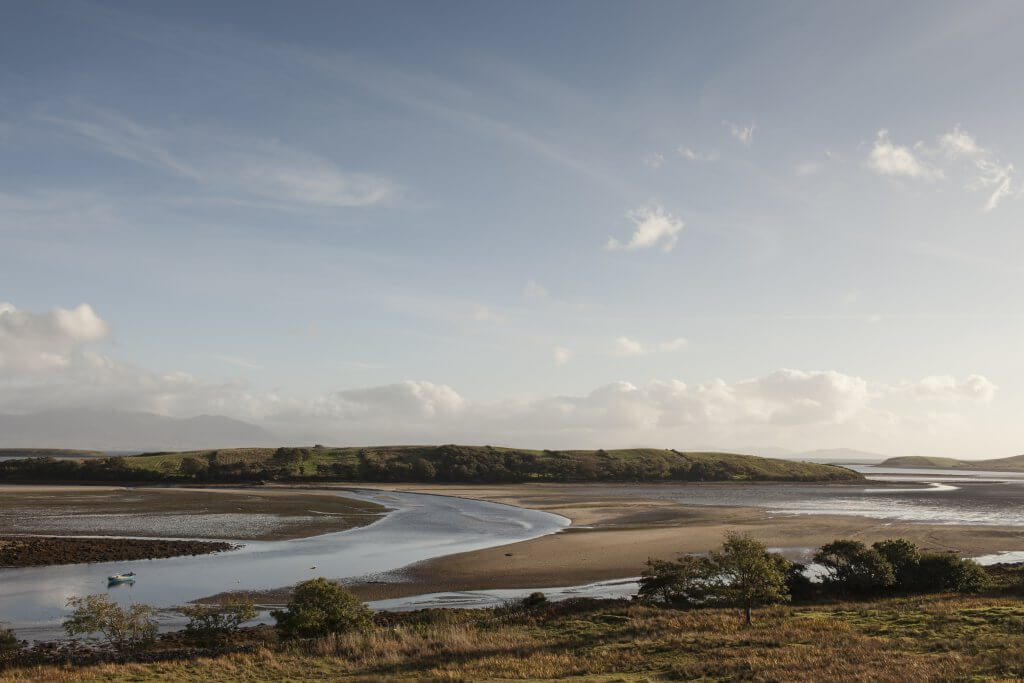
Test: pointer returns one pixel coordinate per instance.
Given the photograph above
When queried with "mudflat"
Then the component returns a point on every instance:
(613, 533)
(37, 551)
(220, 513)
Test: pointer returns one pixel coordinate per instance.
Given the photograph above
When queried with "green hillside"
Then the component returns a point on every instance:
(447, 463)
(1015, 462)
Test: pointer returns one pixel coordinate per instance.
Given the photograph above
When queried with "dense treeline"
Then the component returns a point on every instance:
(447, 463)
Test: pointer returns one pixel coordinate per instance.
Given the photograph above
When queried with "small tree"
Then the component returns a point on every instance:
(319, 607)
(124, 629)
(682, 582)
(747, 575)
(208, 623)
(854, 567)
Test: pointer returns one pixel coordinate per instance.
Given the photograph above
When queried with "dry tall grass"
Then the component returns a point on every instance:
(924, 639)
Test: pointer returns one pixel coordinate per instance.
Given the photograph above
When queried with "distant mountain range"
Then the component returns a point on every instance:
(114, 430)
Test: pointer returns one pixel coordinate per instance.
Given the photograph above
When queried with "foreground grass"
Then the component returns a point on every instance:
(937, 638)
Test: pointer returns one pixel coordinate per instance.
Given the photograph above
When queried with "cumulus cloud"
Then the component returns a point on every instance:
(33, 342)
(46, 363)
(890, 159)
(625, 346)
(651, 226)
(948, 388)
(745, 134)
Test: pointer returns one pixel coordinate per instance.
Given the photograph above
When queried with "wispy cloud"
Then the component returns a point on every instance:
(691, 154)
(626, 346)
(957, 154)
(258, 169)
(651, 226)
(561, 355)
(744, 134)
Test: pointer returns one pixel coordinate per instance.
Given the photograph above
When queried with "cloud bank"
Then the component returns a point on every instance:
(47, 362)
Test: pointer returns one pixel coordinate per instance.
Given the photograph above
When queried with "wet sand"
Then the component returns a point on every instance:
(159, 512)
(612, 535)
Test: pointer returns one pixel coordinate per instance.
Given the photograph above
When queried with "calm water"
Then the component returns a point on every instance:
(420, 527)
(424, 526)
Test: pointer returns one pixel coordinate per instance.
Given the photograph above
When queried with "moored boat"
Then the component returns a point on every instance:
(127, 577)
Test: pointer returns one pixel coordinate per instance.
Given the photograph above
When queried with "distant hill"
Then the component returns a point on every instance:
(114, 430)
(6, 453)
(1015, 462)
(449, 463)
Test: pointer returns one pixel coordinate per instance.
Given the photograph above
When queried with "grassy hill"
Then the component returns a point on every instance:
(1015, 462)
(449, 463)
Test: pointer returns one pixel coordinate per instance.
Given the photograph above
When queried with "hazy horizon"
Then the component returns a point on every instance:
(574, 224)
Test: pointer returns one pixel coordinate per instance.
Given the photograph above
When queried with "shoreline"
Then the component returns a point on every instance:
(612, 535)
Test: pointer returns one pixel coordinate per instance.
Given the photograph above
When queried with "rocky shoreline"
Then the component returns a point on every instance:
(38, 551)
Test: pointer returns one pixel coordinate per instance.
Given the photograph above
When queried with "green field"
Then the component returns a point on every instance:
(49, 453)
(1015, 462)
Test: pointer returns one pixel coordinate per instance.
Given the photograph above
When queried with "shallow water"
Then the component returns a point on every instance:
(420, 527)
(425, 526)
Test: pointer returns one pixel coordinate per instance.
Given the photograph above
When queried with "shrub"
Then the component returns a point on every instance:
(319, 607)
(208, 623)
(8, 641)
(853, 567)
(535, 599)
(946, 572)
(903, 556)
(681, 583)
(124, 629)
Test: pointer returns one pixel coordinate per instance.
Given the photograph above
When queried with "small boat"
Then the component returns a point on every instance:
(128, 577)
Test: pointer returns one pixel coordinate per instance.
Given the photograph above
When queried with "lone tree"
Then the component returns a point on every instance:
(320, 607)
(747, 575)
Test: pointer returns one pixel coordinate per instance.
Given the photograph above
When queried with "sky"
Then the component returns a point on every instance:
(573, 224)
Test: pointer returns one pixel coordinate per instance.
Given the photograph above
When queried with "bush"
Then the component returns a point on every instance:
(946, 572)
(124, 629)
(319, 607)
(8, 642)
(211, 623)
(535, 599)
(681, 583)
(903, 556)
(853, 567)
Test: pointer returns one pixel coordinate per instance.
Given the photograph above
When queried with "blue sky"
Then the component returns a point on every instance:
(550, 224)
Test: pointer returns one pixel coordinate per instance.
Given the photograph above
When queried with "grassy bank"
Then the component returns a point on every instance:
(934, 638)
(449, 463)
